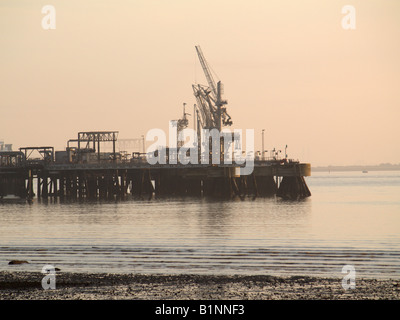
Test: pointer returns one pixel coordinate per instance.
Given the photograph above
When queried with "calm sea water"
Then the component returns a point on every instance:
(352, 218)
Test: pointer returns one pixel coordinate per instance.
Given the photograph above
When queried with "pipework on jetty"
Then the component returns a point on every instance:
(84, 170)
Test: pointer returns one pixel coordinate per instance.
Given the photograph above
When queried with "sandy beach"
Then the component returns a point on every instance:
(98, 286)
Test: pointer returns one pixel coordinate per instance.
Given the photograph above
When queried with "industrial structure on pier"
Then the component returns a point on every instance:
(85, 170)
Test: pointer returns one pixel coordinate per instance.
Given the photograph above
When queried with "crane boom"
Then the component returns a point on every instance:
(209, 99)
(207, 72)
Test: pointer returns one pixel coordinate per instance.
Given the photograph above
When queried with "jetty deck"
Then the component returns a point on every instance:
(49, 177)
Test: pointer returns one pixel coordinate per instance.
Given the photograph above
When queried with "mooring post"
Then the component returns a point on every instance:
(55, 183)
(62, 185)
(68, 185)
(39, 184)
(74, 184)
(45, 191)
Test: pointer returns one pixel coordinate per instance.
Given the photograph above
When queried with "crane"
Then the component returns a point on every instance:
(210, 103)
(182, 124)
(206, 70)
(210, 109)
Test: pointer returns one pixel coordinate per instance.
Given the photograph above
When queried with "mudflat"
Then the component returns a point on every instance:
(107, 286)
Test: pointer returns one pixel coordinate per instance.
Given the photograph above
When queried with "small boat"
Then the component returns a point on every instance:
(365, 171)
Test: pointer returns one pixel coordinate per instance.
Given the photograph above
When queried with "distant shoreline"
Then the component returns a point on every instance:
(355, 168)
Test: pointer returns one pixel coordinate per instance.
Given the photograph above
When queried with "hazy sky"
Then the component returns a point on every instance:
(332, 95)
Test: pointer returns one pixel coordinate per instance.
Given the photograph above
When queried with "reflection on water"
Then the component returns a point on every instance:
(350, 219)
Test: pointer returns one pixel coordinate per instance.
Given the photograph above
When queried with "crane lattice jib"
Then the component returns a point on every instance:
(205, 106)
(209, 99)
(207, 72)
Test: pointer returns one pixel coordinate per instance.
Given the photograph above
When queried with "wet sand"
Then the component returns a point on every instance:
(85, 286)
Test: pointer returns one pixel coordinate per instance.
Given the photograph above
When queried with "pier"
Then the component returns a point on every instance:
(73, 176)
(85, 171)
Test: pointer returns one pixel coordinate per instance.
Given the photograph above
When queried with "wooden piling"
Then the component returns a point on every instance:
(110, 182)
